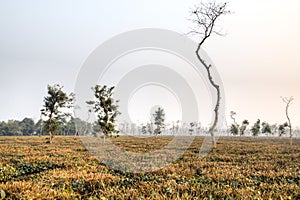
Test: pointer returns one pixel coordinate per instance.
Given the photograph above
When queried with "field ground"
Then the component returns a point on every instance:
(240, 168)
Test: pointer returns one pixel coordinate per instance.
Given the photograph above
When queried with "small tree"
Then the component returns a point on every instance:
(234, 129)
(150, 128)
(282, 129)
(274, 129)
(256, 128)
(191, 129)
(144, 129)
(243, 128)
(204, 18)
(54, 103)
(288, 101)
(106, 109)
(159, 119)
(266, 128)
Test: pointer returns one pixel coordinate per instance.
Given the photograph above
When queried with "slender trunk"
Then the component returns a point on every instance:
(105, 132)
(217, 87)
(51, 137)
(290, 125)
(76, 129)
(50, 131)
(41, 129)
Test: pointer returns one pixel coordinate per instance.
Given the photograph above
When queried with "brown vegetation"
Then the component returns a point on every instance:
(239, 168)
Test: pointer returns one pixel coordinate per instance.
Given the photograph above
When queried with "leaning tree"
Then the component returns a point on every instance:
(243, 128)
(106, 109)
(205, 17)
(54, 105)
(288, 102)
(234, 129)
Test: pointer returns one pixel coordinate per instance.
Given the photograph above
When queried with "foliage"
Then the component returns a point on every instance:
(17, 128)
(234, 129)
(191, 129)
(54, 103)
(282, 129)
(256, 128)
(106, 109)
(10, 128)
(144, 129)
(38, 127)
(274, 129)
(159, 120)
(266, 128)
(245, 123)
(150, 128)
(27, 126)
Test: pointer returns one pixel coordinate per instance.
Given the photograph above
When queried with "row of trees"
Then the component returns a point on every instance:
(177, 128)
(15, 127)
(264, 127)
(63, 123)
(260, 128)
(103, 105)
(76, 126)
(27, 127)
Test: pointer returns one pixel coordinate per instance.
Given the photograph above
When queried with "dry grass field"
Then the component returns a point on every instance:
(240, 168)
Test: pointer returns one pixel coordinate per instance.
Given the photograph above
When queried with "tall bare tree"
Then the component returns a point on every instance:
(288, 102)
(204, 17)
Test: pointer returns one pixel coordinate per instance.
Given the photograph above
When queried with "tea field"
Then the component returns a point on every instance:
(240, 168)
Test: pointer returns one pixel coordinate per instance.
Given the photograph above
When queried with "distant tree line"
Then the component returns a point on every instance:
(262, 128)
(18, 128)
(27, 127)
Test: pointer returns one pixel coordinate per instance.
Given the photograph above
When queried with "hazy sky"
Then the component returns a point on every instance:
(46, 42)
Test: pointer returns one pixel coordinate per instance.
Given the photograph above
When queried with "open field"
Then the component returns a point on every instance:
(240, 168)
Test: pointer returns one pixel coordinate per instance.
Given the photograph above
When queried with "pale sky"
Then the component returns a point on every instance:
(46, 42)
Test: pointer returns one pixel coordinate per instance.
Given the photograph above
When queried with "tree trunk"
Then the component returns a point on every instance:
(290, 125)
(50, 131)
(217, 87)
(50, 137)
